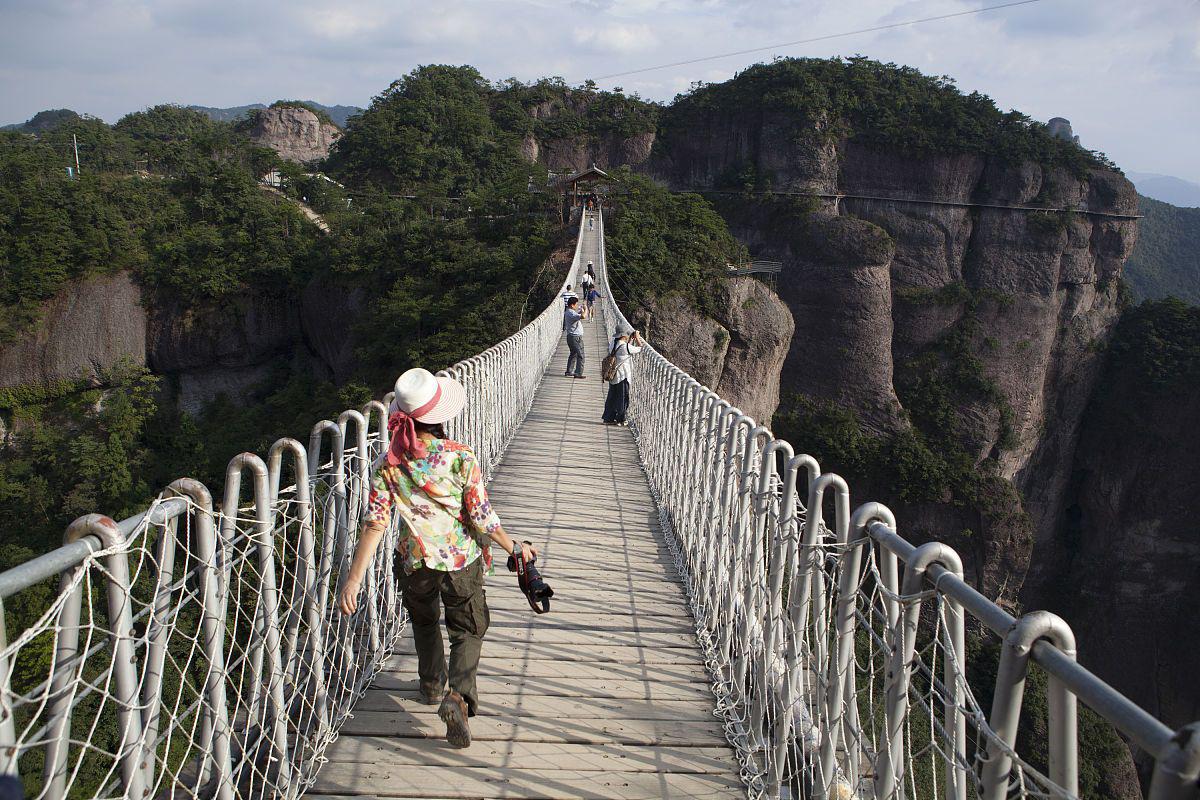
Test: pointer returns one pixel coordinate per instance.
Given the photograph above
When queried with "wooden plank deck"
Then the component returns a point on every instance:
(604, 697)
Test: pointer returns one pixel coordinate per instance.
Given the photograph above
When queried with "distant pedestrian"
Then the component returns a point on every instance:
(592, 297)
(567, 294)
(627, 344)
(442, 553)
(573, 325)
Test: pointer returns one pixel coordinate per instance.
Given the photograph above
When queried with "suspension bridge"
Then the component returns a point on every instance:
(724, 625)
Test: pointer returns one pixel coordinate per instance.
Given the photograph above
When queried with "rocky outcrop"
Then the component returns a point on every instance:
(875, 284)
(84, 329)
(737, 349)
(328, 311)
(575, 153)
(1125, 569)
(295, 133)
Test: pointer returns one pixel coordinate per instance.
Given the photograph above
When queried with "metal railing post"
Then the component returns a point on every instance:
(266, 641)
(306, 579)
(215, 733)
(1177, 771)
(1006, 707)
(841, 660)
(889, 774)
(8, 732)
(120, 621)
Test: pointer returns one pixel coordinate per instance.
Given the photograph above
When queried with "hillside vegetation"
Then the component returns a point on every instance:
(193, 223)
(1166, 260)
(882, 104)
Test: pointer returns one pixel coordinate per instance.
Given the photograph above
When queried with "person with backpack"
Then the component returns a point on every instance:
(443, 550)
(573, 326)
(627, 344)
(586, 284)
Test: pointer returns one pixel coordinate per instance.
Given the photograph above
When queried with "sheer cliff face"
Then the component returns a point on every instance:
(296, 134)
(576, 153)
(738, 351)
(878, 285)
(1126, 571)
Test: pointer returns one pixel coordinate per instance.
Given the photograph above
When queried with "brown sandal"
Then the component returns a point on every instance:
(453, 712)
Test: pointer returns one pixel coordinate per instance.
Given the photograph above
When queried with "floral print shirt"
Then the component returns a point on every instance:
(445, 508)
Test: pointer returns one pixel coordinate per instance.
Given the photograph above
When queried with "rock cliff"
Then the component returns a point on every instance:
(738, 351)
(884, 291)
(84, 329)
(203, 351)
(575, 130)
(1125, 568)
(294, 132)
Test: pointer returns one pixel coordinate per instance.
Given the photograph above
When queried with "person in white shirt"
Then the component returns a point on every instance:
(587, 284)
(573, 325)
(627, 344)
(567, 294)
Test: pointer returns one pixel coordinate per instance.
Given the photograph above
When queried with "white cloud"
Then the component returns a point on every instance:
(1127, 75)
(615, 37)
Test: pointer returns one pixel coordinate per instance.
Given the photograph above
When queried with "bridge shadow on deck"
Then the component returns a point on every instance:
(606, 696)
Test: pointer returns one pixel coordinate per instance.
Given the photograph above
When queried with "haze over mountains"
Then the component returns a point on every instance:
(1166, 188)
(51, 118)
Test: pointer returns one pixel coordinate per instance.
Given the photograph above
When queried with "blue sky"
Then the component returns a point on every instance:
(1127, 75)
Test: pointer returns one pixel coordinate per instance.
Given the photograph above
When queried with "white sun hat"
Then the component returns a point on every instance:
(428, 398)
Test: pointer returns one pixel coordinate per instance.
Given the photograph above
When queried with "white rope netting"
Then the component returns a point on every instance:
(201, 653)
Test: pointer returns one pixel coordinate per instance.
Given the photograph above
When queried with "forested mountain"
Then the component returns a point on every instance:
(1166, 260)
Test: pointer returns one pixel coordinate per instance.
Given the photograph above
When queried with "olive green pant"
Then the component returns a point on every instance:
(467, 620)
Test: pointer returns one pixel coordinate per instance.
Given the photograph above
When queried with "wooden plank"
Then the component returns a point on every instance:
(526, 782)
(590, 758)
(406, 667)
(624, 654)
(534, 703)
(567, 685)
(530, 729)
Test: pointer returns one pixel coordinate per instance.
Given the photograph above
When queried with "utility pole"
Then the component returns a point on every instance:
(75, 143)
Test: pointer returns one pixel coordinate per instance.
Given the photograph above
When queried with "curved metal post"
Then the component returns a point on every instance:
(841, 659)
(215, 733)
(120, 621)
(889, 776)
(1177, 771)
(334, 521)
(265, 641)
(305, 595)
(157, 634)
(378, 444)
(1006, 706)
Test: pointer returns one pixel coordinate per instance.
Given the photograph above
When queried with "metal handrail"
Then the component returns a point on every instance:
(711, 468)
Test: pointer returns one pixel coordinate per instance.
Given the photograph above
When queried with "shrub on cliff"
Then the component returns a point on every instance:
(883, 104)
(662, 243)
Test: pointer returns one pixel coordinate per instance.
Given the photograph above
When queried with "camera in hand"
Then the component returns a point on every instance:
(536, 591)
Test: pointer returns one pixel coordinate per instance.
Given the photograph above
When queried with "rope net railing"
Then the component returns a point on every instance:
(195, 650)
(837, 650)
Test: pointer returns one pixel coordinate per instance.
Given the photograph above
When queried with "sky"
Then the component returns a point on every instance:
(1126, 74)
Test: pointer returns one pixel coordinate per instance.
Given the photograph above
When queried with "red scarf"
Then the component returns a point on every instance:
(405, 442)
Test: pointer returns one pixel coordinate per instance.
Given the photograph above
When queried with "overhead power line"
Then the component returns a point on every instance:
(824, 38)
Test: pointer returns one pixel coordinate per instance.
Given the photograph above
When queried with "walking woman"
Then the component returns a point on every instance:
(443, 551)
(627, 344)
